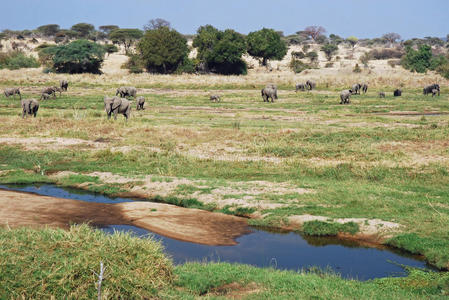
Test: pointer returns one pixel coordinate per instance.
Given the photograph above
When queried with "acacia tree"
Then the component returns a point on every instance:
(391, 37)
(156, 23)
(49, 29)
(163, 50)
(314, 31)
(83, 29)
(352, 40)
(126, 36)
(221, 50)
(329, 50)
(266, 44)
(107, 29)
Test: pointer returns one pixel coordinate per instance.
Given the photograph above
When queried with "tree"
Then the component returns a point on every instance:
(110, 48)
(314, 31)
(329, 50)
(107, 29)
(163, 50)
(80, 56)
(352, 40)
(156, 24)
(48, 30)
(126, 36)
(221, 50)
(417, 60)
(83, 29)
(335, 39)
(266, 44)
(391, 37)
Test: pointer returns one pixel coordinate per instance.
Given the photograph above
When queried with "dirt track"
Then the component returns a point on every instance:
(192, 225)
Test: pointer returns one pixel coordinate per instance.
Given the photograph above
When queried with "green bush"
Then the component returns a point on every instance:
(443, 70)
(221, 51)
(329, 228)
(16, 60)
(329, 50)
(163, 50)
(110, 48)
(298, 66)
(134, 64)
(417, 60)
(79, 56)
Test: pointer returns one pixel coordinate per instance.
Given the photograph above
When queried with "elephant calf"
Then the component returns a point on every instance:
(345, 96)
(397, 93)
(356, 88)
(117, 105)
(214, 98)
(364, 88)
(140, 103)
(51, 90)
(12, 92)
(29, 107)
(310, 84)
(44, 96)
(381, 95)
(300, 87)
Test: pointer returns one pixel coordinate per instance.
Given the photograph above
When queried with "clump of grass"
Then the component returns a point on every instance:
(321, 228)
(182, 202)
(237, 211)
(59, 264)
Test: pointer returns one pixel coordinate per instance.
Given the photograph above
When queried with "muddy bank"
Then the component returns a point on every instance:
(192, 225)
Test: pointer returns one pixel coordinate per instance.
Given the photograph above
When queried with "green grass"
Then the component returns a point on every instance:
(320, 228)
(55, 263)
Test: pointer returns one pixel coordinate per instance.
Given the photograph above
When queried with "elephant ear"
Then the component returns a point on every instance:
(117, 102)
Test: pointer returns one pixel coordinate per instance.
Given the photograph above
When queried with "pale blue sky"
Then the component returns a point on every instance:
(362, 18)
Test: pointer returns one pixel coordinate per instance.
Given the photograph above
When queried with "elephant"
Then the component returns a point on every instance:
(44, 96)
(12, 92)
(51, 90)
(140, 103)
(310, 84)
(434, 92)
(29, 107)
(300, 87)
(214, 98)
(63, 84)
(429, 89)
(381, 95)
(397, 93)
(124, 91)
(356, 88)
(364, 87)
(345, 96)
(269, 92)
(117, 105)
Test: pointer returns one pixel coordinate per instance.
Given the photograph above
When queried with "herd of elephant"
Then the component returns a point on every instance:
(119, 104)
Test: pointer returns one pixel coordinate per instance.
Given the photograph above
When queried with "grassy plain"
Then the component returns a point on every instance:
(375, 159)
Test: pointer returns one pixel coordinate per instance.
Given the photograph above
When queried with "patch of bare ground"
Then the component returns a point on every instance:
(242, 194)
(192, 225)
(374, 230)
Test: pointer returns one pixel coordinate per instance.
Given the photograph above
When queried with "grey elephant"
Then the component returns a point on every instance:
(214, 98)
(126, 91)
(364, 88)
(356, 88)
(63, 84)
(429, 89)
(50, 91)
(117, 105)
(12, 92)
(140, 103)
(435, 92)
(44, 96)
(381, 94)
(300, 87)
(29, 107)
(310, 84)
(269, 93)
(345, 96)
(397, 93)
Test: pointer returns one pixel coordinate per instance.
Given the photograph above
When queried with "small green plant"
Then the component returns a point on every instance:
(321, 228)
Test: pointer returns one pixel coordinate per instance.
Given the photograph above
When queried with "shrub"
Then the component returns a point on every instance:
(385, 53)
(365, 58)
(312, 55)
(443, 70)
(298, 66)
(329, 65)
(79, 56)
(134, 64)
(356, 69)
(417, 60)
(162, 50)
(329, 50)
(16, 60)
(298, 54)
(266, 44)
(110, 48)
(187, 66)
(221, 51)
(394, 62)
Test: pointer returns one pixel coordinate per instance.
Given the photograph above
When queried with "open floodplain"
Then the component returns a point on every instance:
(374, 171)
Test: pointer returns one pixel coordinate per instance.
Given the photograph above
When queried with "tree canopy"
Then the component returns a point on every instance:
(83, 29)
(163, 50)
(266, 44)
(126, 36)
(49, 29)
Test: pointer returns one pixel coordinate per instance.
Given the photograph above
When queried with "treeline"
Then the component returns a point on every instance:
(159, 48)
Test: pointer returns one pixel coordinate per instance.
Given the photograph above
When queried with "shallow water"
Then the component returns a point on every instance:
(287, 250)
